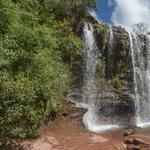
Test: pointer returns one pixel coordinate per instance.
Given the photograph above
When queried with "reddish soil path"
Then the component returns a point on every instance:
(75, 137)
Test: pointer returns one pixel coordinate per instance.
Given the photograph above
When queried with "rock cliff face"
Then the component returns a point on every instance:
(114, 79)
(117, 93)
(91, 19)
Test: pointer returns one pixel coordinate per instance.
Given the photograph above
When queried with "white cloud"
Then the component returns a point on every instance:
(127, 12)
(110, 3)
(93, 13)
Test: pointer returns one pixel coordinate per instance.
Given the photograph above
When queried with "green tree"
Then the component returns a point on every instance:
(74, 11)
(140, 28)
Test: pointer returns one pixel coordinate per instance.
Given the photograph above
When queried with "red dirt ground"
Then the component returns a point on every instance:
(74, 137)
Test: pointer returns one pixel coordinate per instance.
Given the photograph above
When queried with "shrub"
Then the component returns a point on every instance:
(34, 68)
(116, 83)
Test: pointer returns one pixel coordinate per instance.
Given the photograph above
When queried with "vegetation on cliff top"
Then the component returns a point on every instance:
(103, 37)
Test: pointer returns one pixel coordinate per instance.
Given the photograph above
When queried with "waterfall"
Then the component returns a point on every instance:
(90, 59)
(110, 55)
(137, 104)
(148, 73)
(90, 54)
(87, 95)
(141, 76)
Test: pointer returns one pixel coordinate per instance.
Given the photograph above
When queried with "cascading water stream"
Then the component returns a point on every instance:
(147, 102)
(148, 71)
(110, 55)
(141, 76)
(90, 59)
(134, 77)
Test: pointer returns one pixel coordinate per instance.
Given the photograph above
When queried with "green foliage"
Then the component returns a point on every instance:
(148, 33)
(103, 37)
(69, 4)
(74, 11)
(121, 68)
(122, 48)
(140, 28)
(100, 67)
(116, 83)
(100, 74)
(120, 73)
(38, 56)
(121, 64)
(5, 17)
(105, 101)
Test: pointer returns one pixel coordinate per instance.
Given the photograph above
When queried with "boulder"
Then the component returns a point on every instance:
(135, 147)
(130, 129)
(136, 143)
(69, 113)
(128, 132)
(120, 33)
(140, 142)
(91, 19)
(128, 141)
(133, 126)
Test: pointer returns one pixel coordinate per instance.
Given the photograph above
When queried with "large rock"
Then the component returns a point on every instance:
(120, 33)
(72, 114)
(128, 141)
(135, 147)
(140, 142)
(91, 19)
(130, 129)
(67, 114)
(136, 143)
(128, 132)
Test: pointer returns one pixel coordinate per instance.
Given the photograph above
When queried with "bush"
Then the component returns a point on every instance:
(116, 83)
(35, 68)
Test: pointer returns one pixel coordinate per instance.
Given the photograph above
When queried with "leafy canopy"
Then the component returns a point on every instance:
(74, 11)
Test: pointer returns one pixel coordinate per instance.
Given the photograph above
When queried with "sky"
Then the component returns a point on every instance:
(123, 12)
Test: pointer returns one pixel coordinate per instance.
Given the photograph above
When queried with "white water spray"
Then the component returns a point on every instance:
(141, 76)
(92, 122)
(134, 78)
(90, 60)
(110, 54)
